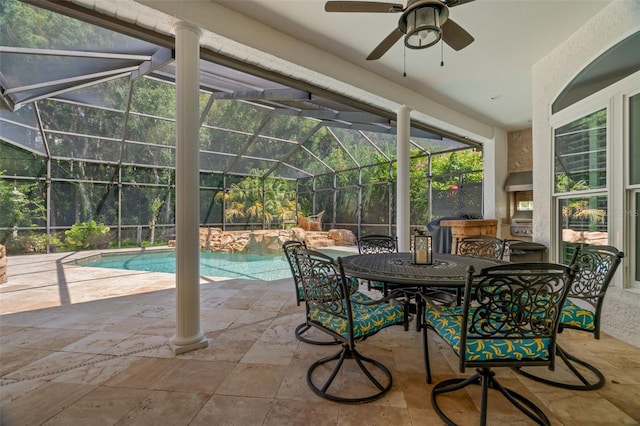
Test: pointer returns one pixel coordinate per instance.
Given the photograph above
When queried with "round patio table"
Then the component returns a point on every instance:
(447, 270)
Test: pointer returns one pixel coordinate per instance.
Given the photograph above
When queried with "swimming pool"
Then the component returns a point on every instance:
(229, 265)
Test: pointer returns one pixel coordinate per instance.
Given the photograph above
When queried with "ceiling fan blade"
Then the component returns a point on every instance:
(362, 6)
(455, 36)
(385, 45)
(453, 3)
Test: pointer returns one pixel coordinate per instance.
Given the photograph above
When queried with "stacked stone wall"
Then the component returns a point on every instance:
(270, 240)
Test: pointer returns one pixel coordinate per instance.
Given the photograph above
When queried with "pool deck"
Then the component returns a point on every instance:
(89, 346)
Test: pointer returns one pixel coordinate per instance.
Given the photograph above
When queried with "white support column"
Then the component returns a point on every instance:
(188, 335)
(403, 217)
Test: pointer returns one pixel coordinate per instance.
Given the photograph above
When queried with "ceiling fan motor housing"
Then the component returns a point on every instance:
(422, 21)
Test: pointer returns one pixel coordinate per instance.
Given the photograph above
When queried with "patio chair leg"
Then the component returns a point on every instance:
(485, 377)
(303, 328)
(596, 381)
(425, 344)
(347, 353)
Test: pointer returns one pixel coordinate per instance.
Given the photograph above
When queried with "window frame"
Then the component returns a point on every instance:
(620, 193)
(631, 194)
(559, 120)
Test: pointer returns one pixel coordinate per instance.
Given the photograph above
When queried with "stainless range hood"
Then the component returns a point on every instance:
(520, 181)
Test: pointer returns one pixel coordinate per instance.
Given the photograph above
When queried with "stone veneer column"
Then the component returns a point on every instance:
(403, 218)
(188, 335)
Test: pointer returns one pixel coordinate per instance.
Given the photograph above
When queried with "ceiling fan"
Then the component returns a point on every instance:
(423, 23)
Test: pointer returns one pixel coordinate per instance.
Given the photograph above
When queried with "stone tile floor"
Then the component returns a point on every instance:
(89, 346)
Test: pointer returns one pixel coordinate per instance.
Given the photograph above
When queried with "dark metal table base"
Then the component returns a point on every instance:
(485, 377)
(596, 381)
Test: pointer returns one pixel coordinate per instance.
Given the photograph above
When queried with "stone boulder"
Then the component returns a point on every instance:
(270, 240)
(316, 240)
(267, 241)
(342, 237)
(298, 234)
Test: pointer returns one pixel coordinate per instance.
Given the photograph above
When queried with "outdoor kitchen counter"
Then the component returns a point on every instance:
(461, 228)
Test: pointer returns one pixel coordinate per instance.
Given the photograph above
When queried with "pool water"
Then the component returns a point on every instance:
(218, 264)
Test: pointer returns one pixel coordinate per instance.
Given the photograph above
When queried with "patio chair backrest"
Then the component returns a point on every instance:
(480, 246)
(514, 306)
(290, 248)
(324, 284)
(374, 244)
(596, 267)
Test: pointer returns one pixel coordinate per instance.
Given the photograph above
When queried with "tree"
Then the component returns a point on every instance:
(257, 199)
(20, 204)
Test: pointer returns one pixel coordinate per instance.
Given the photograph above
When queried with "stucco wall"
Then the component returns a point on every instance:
(617, 21)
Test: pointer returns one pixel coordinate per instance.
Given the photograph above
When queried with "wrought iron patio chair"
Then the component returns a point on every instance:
(374, 244)
(478, 246)
(582, 311)
(511, 322)
(331, 309)
(290, 248)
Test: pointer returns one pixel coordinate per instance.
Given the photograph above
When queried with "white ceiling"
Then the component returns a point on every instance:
(510, 37)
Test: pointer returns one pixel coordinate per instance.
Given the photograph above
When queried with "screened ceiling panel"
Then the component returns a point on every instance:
(108, 97)
(219, 140)
(287, 171)
(24, 116)
(215, 162)
(80, 119)
(143, 154)
(21, 129)
(270, 148)
(250, 166)
(150, 129)
(26, 137)
(153, 97)
(358, 146)
(287, 127)
(385, 142)
(83, 147)
(24, 70)
(95, 94)
(304, 160)
(434, 145)
(236, 115)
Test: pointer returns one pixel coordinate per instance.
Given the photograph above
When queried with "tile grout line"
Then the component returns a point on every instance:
(209, 334)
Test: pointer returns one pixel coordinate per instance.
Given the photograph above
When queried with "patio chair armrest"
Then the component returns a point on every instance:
(394, 295)
(441, 307)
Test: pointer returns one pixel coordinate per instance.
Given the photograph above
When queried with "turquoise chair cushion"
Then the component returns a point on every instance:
(448, 325)
(367, 320)
(574, 316)
(360, 297)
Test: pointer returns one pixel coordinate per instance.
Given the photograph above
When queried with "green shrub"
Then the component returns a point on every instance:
(87, 235)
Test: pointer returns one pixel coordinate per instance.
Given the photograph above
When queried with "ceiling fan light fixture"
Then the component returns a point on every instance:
(423, 27)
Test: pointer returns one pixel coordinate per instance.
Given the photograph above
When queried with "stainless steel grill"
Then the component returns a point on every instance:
(522, 223)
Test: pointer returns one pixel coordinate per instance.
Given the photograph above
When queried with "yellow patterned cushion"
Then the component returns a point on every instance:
(574, 316)
(367, 320)
(448, 326)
